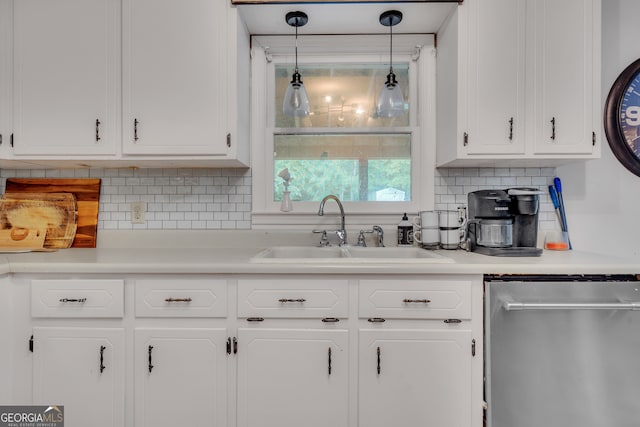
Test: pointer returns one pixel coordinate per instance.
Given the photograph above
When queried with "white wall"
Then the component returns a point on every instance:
(602, 198)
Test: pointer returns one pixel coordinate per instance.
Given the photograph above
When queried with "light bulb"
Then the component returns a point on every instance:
(391, 101)
(296, 101)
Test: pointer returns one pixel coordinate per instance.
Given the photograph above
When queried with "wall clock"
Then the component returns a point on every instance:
(622, 117)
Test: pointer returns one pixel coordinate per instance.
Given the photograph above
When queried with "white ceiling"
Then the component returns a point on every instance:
(346, 18)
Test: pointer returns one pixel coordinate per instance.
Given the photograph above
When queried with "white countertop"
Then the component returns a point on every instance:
(238, 261)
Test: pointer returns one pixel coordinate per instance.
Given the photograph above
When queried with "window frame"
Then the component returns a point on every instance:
(266, 212)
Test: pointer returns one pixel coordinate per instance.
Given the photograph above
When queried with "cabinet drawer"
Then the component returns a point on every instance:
(415, 299)
(181, 298)
(293, 298)
(77, 298)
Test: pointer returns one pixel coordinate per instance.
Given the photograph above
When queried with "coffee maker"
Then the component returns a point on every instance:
(503, 222)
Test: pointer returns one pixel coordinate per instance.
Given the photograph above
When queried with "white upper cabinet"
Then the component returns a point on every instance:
(115, 83)
(65, 76)
(519, 83)
(496, 77)
(5, 74)
(174, 77)
(565, 73)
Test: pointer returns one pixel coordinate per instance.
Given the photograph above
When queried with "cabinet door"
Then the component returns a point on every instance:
(82, 369)
(174, 77)
(496, 77)
(65, 76)
(290, 378)
(414, 378)
(5, 72)
(180, 377)
(564, 95)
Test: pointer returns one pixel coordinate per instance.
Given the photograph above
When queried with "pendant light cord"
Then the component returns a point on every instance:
(391, 49)
(297, 24)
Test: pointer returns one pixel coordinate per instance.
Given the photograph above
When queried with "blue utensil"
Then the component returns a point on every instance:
(557, 183)
(556, 204)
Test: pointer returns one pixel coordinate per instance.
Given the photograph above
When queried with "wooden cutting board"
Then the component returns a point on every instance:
(86, 192)
(55, 214)
(21, 238)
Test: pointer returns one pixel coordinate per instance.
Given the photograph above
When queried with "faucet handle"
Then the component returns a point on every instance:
(324, 240)
(379, 235)
(361, 240)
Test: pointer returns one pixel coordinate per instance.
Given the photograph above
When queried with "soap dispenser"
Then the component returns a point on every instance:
(405, 232)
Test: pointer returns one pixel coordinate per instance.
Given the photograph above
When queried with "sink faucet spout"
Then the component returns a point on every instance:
(342, 233)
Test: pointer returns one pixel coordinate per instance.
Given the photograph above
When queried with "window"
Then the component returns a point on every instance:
(374, 165)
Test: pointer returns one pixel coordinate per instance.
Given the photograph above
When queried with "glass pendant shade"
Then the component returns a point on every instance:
(390, 101)
(296, 101)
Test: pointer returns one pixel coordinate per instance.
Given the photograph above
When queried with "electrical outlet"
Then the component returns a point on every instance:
(137, 212)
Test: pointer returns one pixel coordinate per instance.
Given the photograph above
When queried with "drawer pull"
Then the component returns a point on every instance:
(452, 321)
(78, 300)
(330, 320)
(102, 349)
(255, 319)
(178, 300)
(286, 300)
(376, 320)
(411, 301)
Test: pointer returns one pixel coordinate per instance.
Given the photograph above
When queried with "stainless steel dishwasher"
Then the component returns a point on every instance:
(562, 351)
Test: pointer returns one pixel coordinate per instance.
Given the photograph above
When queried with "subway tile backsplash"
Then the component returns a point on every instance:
(220, 199)
(216, 199)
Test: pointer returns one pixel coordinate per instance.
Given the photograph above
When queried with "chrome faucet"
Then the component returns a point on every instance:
(342, 233)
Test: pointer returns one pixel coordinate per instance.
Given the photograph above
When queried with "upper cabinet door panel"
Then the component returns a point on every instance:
(564, 43)
(496, 77)
(174, 55)
(65, 76)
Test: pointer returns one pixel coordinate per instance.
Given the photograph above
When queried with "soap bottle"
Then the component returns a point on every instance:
(405, 232)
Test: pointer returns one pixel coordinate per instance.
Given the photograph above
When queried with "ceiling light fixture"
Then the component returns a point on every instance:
(391, 101)
(296, 101)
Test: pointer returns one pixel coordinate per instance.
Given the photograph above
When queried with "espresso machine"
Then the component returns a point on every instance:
(503, 222)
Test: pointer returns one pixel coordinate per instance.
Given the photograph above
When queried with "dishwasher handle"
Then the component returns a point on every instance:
(515, 306)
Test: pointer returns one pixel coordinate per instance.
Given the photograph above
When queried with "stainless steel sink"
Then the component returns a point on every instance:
(348, 254)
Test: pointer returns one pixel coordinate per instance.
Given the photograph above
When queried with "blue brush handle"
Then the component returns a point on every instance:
(554, 197)
(558, 185)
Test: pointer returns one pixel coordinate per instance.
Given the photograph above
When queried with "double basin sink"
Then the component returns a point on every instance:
(348, 254)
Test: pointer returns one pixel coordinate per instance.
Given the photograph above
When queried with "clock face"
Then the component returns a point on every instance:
(622, 118)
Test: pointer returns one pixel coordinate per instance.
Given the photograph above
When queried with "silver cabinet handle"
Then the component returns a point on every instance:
(411, 301)
(513, 306)
(178, 300)
(78, 300)
(286, 300)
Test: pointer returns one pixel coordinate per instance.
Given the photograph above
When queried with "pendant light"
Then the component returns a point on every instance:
(391, 101)
(296, 101)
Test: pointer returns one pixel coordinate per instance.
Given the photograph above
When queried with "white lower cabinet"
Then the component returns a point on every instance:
(414, 378)
(83, 370)
(257, 351)
(180, 377)
(293, 377)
